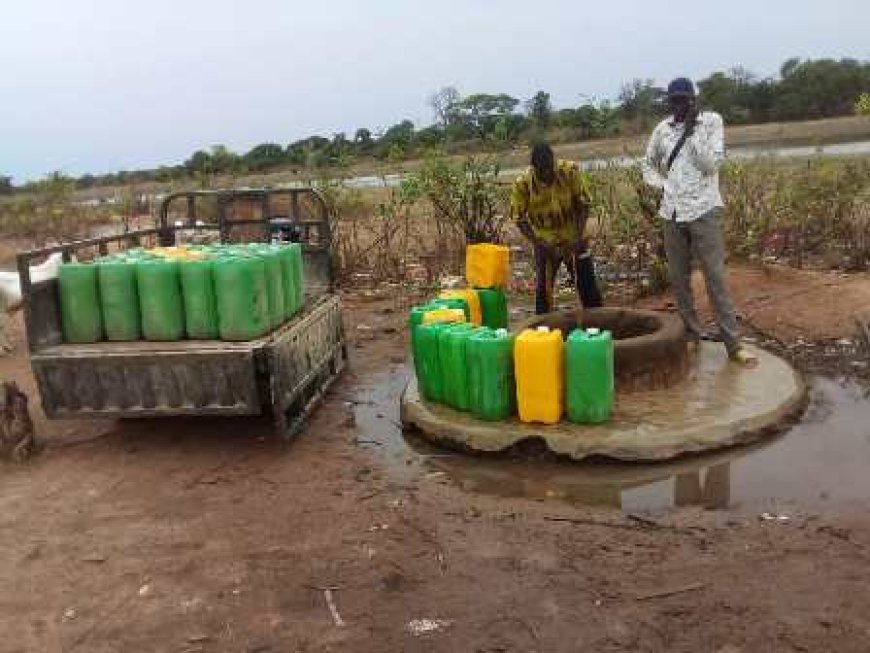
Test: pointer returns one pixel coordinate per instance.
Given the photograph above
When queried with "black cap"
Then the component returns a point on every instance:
(681, 86)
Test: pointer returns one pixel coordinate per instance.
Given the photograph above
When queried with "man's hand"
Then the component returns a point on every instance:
(527, 231)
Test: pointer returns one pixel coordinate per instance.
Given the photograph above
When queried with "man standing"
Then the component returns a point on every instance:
(682, 160)
(550, 204)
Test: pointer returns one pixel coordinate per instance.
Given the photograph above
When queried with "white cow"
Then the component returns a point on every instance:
(10, 292)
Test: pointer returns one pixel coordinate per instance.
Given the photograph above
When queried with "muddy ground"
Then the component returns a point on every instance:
(210, 535)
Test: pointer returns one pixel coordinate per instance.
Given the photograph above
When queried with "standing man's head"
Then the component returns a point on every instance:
(543, 162)
(681, 98)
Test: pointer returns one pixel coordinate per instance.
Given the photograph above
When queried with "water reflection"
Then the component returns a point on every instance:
(710, 488)
(823, 458)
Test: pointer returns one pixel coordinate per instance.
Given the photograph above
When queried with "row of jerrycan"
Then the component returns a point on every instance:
(229, 292)
(458, 363)
(493, 375)
(556, 377)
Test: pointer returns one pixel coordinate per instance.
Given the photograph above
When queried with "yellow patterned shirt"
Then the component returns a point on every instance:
(556, 213)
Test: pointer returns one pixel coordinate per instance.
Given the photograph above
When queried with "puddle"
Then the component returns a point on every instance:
(821, 460)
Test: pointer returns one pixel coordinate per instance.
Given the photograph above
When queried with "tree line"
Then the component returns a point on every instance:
(804, 89)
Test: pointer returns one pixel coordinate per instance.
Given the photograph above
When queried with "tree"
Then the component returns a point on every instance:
(223, 160)
(444, 103)
(264, 156)
(720, 93)
(218, 160)
(598, 120)
(820, 88)
(641, 100)
(295, 153)
(759, 99)
(467, 196)
(401, 135)
(501, 131)
(311, 152)
(483, 110)
(340, 150)
(429, 137)
(540, 109)
(6, 187)
(363, 141)
(200, 162)
(508, 128)
(789, 66)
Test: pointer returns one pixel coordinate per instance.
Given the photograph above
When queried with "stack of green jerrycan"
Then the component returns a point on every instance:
(589, 383)
(467, 368)
(415, 319)
(233, 292)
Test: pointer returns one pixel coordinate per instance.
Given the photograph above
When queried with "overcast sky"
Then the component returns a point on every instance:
(103, 85)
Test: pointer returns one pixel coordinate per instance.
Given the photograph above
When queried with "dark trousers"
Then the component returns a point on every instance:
(547, 264)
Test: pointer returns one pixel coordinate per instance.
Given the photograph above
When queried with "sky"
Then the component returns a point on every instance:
(104, 85)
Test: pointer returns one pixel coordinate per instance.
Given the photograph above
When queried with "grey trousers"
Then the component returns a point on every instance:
(702, 238)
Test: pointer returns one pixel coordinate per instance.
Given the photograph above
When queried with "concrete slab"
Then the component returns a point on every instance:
(719, 404)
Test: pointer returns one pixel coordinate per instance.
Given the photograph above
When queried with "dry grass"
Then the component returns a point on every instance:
(814, 211)
(804, 212)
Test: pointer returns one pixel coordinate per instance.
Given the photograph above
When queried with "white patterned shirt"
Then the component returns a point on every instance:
(691, 188)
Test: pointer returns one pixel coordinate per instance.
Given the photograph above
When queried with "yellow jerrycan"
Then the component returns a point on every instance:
(539, 366)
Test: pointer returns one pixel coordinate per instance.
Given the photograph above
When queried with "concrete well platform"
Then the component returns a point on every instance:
(718, 404)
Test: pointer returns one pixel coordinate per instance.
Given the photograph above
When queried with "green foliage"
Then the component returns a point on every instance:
(540, 109)
(590, 120)
(862, 105)
(481, 111)
(821, 88)
(468, 197)
(642, 101)
(626, 231)
(264, 157)
(363, 140)
(807, 89)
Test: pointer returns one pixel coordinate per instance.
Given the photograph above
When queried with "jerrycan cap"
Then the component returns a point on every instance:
(543, 329)
(501, 333)
(593, 331)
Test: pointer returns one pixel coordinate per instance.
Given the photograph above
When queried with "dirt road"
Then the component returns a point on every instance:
(191, 535)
